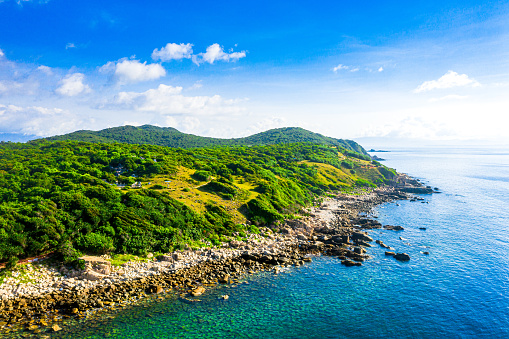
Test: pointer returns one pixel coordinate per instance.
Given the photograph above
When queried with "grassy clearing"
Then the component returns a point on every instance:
(119, 259)
(187, 190)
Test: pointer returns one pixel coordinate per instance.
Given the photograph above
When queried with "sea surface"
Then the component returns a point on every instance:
(459, 290)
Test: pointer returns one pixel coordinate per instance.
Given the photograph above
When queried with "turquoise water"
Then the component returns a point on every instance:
(460, 290)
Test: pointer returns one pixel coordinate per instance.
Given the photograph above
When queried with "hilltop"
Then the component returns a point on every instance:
(171, 137)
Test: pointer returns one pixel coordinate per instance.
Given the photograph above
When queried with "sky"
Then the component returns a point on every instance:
(368, 70)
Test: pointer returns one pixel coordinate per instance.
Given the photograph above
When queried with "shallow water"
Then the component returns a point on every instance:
(460, 290)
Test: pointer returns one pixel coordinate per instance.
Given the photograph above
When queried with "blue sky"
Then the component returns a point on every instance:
(431, 70)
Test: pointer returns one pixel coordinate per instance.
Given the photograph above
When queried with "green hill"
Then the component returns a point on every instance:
(170, 137)
(73, 197)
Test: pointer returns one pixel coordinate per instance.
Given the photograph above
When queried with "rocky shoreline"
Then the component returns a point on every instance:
(335, 228)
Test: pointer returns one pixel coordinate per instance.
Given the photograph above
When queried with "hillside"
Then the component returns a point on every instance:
(74, 197)
(170, 137)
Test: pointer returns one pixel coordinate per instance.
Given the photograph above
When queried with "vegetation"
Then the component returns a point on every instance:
(74, 197)
(168, 136)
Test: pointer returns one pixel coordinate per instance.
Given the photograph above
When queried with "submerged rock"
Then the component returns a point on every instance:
(349, 263)
(393, 228)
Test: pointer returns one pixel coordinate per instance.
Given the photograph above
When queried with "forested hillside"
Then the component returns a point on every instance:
(70, 197)
(168, 136)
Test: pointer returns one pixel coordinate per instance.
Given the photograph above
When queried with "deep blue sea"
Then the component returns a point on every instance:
(459, 290)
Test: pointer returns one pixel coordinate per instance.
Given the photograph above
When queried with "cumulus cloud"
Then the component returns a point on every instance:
(34, 120)
(131, 71)
(448, 80)
(173, 51)
(381, 69)
(1, 53)
(72, 85)
(169, 100)
(216, 52)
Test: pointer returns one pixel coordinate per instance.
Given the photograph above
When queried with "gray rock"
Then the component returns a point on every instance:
(402, 257)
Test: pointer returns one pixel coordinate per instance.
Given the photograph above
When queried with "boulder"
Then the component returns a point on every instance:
(402, 257)
(197, 291)
(359, 250)
(349, 263)
(363, 243)
(167, 258)
(393, 228)
(390, 253)
(224, 279)
(103, 269)
(361, 236)
(92, 275)
(301, 236)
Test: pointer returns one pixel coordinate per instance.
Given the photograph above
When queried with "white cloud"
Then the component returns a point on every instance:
(10, 86)
(1, 53)
(341, 67)
(45, 69)
(20, 2)
(190, 124)
(70, 45)
(196, 85)
(73, 85)
(380, 69)
(173, 51)
(448, 80)
(169, 100)
(34, 120)
(130, 71)
(215, 52)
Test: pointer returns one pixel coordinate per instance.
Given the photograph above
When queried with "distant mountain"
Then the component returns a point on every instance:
(168, 136)
(16, 137)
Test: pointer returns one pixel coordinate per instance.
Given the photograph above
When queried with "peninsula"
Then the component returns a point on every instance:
(117, 221)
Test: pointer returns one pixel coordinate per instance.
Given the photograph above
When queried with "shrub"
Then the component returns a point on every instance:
(96, 243)
(11, 263)
(201, 175)
(364, 183)
(347, 164)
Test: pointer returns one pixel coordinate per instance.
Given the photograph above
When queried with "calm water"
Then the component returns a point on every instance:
(461, 290)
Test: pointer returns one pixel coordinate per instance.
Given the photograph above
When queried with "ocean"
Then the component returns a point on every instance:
(459, 290)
